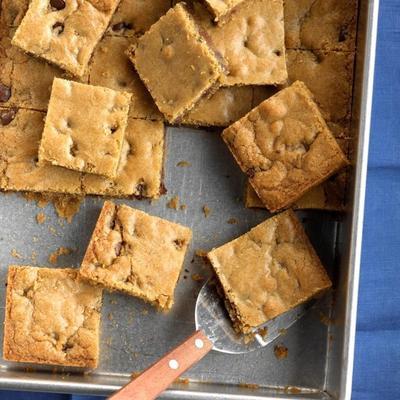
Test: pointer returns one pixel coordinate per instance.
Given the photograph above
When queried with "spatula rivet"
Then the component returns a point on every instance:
(173, 364)
(199, 343)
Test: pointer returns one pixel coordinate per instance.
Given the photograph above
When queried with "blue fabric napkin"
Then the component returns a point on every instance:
(377, 360)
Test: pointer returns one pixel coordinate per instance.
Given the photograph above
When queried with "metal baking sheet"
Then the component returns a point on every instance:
(319, 363)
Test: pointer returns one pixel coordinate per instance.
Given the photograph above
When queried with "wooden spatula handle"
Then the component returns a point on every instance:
(159, 376)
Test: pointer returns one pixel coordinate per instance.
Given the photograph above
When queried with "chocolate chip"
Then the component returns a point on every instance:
(114, 128)
(58, 27)
(179, 243)
(6, 116)
(251, 172)
(118, 248)
(119, 26)
(278, 53)
(342, 34)
(57, 4)
(73, 149)
(163, 189)
(5, 92)
(141, 190)
(67, 346)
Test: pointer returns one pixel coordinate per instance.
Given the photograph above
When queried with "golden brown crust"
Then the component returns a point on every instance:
(136, 253)
(321, 24)
(52, 317)
(135, 17)
(139, 172)
(223, 108)
(329, 76)
(140, 168)
(66, 36)
(85, 127)
(285, 147)
(329, 196)
(174, 41)
(268, 271)
(111, 68)
(251, 42)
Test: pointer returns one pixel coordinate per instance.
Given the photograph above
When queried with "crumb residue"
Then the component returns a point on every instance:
(206, 211)
(65, 205)
(183, 207)
(232, 221)
(15, 254)
(173, 203)
(40, 218)
(110, 316)
(281, 352)
(253, 386)
(292, 390)
(200, 253)
(145, 312)
(197, 277)
(263, 332)
(325, 319)
(182, 381)
(282, 331)
(61, 251)
(184, 164)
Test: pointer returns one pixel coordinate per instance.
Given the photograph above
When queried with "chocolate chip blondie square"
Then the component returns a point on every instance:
(64, 32)
(175, 63)
(136, 253)
(85, 127)
(52, 317)
(268, 271)
(285, 147)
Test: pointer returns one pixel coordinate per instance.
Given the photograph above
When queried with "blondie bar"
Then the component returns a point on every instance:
(85, 127)
(329, 196)
(139, 172)
(175, 63)
(52, 317)
(136, 253)
(223, 108)
(251, 42)
(26, 80)
(140, 168)
(285, 147)
(20, 133)
(12, 11)
(64, 32)
(329, 76)
(110, 67)
(321, 24)
(135, 17)
(268, 271)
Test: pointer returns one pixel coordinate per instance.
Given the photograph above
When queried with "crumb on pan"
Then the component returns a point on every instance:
(61, 251)
(184, 164)
(173, 204)
(197, 277)
(253, 386)
(281, 352)
(15, 254)
(40, 218)
(206, 211)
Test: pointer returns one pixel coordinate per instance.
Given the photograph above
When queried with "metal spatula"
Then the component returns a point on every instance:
(213, 332)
